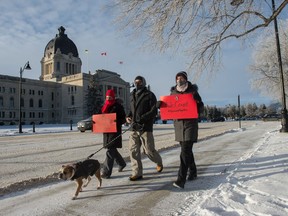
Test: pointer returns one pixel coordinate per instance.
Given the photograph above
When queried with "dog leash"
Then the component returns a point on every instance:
(112, 140)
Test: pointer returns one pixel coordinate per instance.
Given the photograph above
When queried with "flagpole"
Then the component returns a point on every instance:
(86, 51)
(105, 61)
(121, 66)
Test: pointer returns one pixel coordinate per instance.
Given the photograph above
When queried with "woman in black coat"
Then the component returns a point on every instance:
(112, 141)
(186, 130)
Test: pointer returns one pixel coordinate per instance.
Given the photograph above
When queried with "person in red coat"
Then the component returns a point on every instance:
(112, 141)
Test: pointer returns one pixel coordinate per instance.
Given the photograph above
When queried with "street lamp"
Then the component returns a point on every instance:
(284, 121)
(26, 67)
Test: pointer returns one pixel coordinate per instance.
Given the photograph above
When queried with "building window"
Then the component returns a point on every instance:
(115, 90)
(31, 103)
(120, 92)
(72, 100)
(11, 102)
(58, 66)
(40, 103)
(32, 115)
(22, 102)
(52, 96)
(1, 101)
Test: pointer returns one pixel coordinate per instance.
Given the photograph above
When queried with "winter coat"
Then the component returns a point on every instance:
(120, 119)
(187, 129)
(142, 110)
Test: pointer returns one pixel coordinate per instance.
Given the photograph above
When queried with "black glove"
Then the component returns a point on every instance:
(158, 104)
(197, 97)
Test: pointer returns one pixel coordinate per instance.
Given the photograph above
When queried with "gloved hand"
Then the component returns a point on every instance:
(158, 104)
(197, 97)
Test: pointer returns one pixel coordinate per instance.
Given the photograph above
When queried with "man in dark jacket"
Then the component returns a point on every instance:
(142, 114)
(186, 130)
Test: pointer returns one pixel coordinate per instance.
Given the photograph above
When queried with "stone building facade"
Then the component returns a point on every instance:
(60, 94)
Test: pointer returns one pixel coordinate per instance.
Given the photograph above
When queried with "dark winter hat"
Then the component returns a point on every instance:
(183, 74)
(142, 79)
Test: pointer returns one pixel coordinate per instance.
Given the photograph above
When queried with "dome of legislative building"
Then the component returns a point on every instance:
(61, 42)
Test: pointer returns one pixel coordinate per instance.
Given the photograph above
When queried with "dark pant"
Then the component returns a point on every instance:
(111, 155)
(186, 162)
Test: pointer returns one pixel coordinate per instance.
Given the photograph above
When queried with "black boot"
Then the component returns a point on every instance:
(192, 176)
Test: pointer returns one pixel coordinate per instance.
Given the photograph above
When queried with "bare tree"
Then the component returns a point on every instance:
(196, 27)
(265, 66)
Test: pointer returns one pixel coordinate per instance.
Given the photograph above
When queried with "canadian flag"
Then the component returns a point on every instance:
(103, 53)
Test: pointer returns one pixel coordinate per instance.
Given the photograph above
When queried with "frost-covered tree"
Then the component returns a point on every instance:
(251, 109)
(232, 111)
(265, 66)
(196, 27)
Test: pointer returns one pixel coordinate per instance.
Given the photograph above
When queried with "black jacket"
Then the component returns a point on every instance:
(120, 119)
(187, 129)
(142, 110)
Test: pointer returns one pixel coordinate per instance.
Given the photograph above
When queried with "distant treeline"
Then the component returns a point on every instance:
(235, 112)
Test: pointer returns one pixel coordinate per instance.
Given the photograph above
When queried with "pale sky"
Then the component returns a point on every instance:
(27, 26)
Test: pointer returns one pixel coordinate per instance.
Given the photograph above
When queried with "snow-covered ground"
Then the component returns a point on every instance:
(242, 172)
(13, 130)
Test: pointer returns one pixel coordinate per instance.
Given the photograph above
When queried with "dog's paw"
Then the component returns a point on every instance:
(98, 187)
(74, 197)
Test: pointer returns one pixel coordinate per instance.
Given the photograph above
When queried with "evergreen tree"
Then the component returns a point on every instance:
(93, 98)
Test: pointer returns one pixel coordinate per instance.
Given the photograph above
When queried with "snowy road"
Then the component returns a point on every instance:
(217, 158)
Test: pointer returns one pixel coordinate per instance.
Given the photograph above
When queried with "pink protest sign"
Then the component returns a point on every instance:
(178, 106)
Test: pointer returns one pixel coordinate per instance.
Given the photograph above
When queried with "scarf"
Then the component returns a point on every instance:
(108, 103)
(182, 88)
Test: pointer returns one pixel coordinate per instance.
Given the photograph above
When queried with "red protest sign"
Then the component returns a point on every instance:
(178, 106)
(104, 123)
